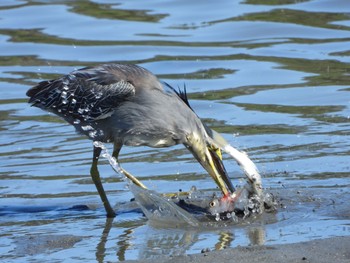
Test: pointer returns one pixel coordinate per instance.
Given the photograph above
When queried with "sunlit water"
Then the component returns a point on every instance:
(271, 76)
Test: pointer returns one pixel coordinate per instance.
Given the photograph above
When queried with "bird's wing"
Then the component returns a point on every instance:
(88, 94)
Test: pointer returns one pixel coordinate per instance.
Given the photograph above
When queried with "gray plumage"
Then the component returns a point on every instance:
(127, 105)
(116, 102)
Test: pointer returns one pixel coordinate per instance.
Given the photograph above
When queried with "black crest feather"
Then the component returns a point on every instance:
(181, 93)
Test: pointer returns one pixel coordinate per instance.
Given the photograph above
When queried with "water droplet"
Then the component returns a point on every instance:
(234, 217)
(74, 101)
(92, 134)
(100, 145)
(87, 128)
(156, 213)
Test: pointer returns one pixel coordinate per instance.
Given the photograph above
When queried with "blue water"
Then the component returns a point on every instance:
(271, 76)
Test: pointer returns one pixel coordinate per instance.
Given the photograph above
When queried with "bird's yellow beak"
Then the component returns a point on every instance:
(216, 169)
(209, 156)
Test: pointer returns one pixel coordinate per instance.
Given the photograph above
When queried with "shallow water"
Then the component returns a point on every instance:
(272, 76)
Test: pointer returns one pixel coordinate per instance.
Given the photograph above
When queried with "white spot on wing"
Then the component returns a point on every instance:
(104, 116)
(161, 142)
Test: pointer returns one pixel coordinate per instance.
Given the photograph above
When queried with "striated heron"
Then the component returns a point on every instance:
(127, 105)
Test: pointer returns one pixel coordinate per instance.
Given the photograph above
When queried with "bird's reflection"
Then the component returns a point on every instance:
(170, 242)
(225, 240)
(101, 246)
(143, 239)
(124, 243)
(256, 235)
(167, 242)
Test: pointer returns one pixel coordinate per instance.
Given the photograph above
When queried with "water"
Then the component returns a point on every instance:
(271, 76)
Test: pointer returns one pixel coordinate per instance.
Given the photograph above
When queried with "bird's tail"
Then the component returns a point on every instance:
(54, 96)
(39, 92)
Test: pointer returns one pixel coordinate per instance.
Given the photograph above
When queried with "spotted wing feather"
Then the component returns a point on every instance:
(85, 94)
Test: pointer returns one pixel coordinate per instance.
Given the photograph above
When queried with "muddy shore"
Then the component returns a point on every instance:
(336, 249)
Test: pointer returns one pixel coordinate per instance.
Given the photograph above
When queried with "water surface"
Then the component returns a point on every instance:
(272, 76)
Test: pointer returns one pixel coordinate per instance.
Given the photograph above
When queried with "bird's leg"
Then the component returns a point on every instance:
(95, 175)
(126, 173)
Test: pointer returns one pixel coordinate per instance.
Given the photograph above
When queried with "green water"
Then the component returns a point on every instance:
(272, 76)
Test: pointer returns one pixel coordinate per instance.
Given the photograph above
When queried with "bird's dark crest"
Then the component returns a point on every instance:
(181, 93)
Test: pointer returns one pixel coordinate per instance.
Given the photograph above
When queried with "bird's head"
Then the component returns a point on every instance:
(209, 156)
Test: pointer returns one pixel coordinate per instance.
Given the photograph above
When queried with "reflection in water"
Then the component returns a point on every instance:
(166, 242)
(124, 244)
(101, 246)
(225, 240)
(256, 235)
(157, 242)
(272, 76)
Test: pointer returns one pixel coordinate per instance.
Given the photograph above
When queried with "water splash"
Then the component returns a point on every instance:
(157, 209)
(90, 128)
(112, 161)
(160, 211)
(194, 207)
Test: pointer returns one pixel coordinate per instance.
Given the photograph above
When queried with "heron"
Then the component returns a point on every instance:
(126, 104)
